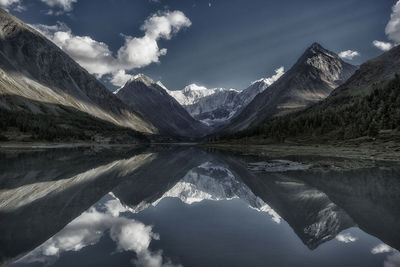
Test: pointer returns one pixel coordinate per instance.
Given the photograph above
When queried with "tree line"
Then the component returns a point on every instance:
(62, 127)
(339, 118)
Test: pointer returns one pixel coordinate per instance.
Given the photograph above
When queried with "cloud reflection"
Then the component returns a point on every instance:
(392, 260)
(346, 238)
(381, 248)
(88, 228)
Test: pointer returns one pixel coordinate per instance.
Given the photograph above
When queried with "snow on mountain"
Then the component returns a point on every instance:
(193, 93)
(212, 181)
(270, 80)
(218, 105)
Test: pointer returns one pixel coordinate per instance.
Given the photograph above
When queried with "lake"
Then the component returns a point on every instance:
(189, 206)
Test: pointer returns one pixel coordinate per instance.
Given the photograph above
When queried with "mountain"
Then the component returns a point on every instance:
(367, 105)
(152, 101)
(217, 106)
(192, 93)
(256, 87)
(38, 78)
(311, 79)
(210, 106)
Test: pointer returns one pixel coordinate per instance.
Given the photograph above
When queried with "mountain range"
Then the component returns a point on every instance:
(46, 95)
(217, 106)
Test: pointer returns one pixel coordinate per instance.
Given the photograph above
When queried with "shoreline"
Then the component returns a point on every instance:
(361, 152)
(371, 152)
(45, 145)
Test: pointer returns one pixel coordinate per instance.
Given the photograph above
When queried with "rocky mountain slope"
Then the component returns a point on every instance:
(375, 73)
(314, 76)
(155, 105)
(210, 106)
(368, 104)
(37, 77)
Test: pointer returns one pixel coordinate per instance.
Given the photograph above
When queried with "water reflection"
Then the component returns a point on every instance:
(120, 204)
(213, 181)
(87, 229)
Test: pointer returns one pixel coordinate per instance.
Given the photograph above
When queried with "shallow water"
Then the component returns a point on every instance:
(184, 206)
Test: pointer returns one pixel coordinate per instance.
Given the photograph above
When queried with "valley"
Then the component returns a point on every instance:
(321, 101)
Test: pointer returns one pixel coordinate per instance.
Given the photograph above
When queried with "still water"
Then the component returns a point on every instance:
(185, 206)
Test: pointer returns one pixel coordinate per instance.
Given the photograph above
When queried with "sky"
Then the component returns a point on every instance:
(213, 43)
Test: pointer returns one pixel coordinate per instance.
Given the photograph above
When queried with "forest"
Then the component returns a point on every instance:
(338, 118)
(62, 127)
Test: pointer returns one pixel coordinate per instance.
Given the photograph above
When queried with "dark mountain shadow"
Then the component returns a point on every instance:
(37, 120)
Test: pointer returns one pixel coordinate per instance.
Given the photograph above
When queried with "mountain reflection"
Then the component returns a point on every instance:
(87, 195)
(213, 181)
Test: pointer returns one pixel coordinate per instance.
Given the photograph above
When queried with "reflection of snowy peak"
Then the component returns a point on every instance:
(193, 93)
(215, 182)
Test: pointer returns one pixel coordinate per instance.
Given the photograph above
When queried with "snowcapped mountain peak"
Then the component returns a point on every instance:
(190, 94)
(159, 83)
(194, 87)
(137, 78)
(141, 78)
(316, 48)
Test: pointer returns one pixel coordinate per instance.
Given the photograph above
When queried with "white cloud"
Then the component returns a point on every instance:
(65, 5)
(392, 260)
(8, 3)
(278, 73)
(348, 54)
(346, 238)
(381, 248)
(137, 52)
(392, 30)
(88, 228)
(393, 27)
(270, 80)
(384, 46)
(14, 4)
(120, 77)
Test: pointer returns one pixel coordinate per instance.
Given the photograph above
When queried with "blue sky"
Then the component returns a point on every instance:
(215, 43)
